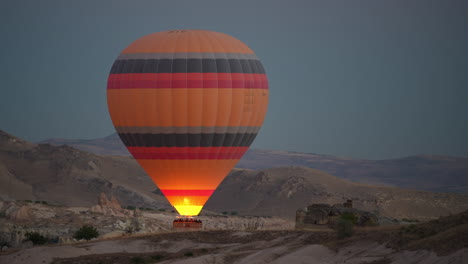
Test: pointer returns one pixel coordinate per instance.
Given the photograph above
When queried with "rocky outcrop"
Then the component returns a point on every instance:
(110, 207)
(325, 215)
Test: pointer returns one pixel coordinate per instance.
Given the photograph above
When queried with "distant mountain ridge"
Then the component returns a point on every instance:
(424, 172)
(65, 175)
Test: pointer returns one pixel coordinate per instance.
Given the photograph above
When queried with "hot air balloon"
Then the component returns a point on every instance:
(187, 104)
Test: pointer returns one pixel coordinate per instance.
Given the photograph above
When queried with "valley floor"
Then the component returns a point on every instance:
(203, 247)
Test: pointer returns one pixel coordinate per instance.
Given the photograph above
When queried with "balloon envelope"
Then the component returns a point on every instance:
(187, 104)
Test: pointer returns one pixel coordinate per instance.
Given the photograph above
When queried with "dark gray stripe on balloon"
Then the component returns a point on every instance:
(188, 140)
(187, 66)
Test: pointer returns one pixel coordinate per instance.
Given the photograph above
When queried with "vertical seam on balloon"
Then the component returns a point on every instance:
(187, 138)
(229, 67)
(212, 40)
(162, 45)
(249, 89)
(242, 100)
(255, 115)
(135, 140)
(177, 179)
(202, 98)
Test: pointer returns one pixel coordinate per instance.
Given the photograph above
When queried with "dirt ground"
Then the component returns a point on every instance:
(366, 246)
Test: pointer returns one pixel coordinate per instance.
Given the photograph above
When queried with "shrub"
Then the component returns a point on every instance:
(36, 238)
(37, 202)
(44, 202)
(157, 257)
(131, 207)
(344, 228)
(349, 216)
(86, 232)
(225, 213)
(162, 210)
(188, 254)
(137, 260)
(234, 213)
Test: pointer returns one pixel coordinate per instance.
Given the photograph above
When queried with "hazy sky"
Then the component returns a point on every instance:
(370, 79)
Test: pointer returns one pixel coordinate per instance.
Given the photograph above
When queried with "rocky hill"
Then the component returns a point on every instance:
(64, 175)
(280, 191)
(424, 172)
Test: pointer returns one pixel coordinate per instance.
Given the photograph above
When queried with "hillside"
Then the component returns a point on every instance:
(280, 191)
(424, 172)
(66, 176)
(72, 177)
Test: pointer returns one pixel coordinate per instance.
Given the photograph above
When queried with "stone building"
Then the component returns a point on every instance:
(325, 215)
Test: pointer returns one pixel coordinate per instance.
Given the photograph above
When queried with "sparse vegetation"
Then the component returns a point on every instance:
(188, 254)
(137, 260)
(162, 210)
(410, 220)
(36, 238)
(345, 225)
(234, 213)
(44, 202)
(349, 216)
(224, 213)
(87, 232)
(131, 207)
(157, 257)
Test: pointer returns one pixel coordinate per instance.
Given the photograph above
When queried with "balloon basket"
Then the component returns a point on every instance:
(186, 223)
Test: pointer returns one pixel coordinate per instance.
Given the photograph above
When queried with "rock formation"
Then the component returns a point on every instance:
(108, 207)
(325, 215)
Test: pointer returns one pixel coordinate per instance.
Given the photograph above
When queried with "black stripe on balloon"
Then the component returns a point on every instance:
(188, 140)
(187, 65)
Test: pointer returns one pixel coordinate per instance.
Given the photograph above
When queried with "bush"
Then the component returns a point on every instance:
(225, 213)
(188, 254)
(349, 216)
(137, 260)
(344, 228)
(36, 238)
(157, 257)
(162, 210)
(86, 232)
(44, 202)
(131, 207)
(234, 213)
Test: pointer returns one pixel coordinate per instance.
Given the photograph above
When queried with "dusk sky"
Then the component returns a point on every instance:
(363, 79)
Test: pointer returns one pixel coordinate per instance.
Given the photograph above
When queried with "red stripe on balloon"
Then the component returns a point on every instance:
(187, 80)
(164, 153)
(187, 192)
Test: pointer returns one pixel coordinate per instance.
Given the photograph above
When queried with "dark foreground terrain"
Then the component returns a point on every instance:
(439, 241)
